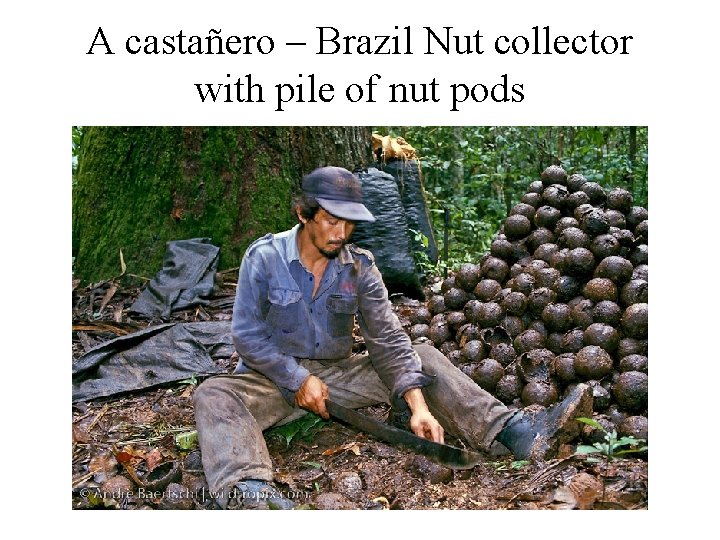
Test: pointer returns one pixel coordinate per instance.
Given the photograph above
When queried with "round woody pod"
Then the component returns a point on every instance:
(581, 210)
(575, 200)
(519, 250)
(436, 304)
(473, 311)
(556, 317)
(456, 319)
(529, 340)
(538, 237)
(634, 321)
(543, 393)
(554, 174)
(504, 353)
(533, 199)
(508, 388)
(514, 303)
(544, 252)
(605, 245)
(420, 330)
(491, 314)
(487, 374)
(615, 268)
(554, 196)
(573, 340)
(575, 182)
(468, 276)
(581, 313)
(517, 226)
(534, 265)
(595, 222)
(473, 351)
(634, 426)
(580, 262)
(628, 346)
(539, 298)
(501, 247)
(602, 335)
(523, 283)
(631, 391)
(640, 272)
(615, 218)
(513, 324)
(639, 255)
(634, 292)
(568, 287)
(468, 332)
(572, 238)
(641, 232)
(455, 298)
(593, 362)
(420, 315)
(547, 277)
(596, 193)
(494, 268)
(625, 238)
(523, 209)
(635, 216)
(619, 199)
(495, 336)
(447, 284)
(554, 342)
(440, 318)
(633, 362)
(559, 260)
(439, 333)
(539, 327)
(535, 186)
(607, 312)
(599, 289)
(564, 368)
(565, 223)
(487, 289)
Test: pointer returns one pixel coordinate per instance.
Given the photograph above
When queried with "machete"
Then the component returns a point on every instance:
(449, 456)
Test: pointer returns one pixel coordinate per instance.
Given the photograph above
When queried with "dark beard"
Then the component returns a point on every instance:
(331, 254)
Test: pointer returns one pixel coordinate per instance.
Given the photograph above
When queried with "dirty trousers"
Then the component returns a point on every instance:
(231, 411)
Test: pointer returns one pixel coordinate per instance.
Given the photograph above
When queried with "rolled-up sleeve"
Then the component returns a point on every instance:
(389, 347)
(252, 334)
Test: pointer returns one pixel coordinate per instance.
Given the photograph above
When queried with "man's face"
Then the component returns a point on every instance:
(328, 233)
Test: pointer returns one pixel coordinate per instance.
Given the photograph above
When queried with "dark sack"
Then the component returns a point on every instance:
(388, 237)
(412, 193)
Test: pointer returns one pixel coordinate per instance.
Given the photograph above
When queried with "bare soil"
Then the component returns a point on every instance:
(136, 451)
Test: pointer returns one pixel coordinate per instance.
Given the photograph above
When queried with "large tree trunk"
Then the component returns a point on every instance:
(139, 187)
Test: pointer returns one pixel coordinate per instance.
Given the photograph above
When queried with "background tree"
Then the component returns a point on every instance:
(135, 188)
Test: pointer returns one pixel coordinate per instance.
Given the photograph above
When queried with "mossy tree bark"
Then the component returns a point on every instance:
(139, 187)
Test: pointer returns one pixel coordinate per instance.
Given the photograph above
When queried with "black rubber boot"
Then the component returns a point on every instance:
(259, 495)
(538, 435)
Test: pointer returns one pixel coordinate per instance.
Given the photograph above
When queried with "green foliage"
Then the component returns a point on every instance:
(478, 173)
(612, 448)
(304, 427)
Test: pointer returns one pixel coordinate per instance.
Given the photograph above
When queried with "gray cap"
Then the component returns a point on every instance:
(338, 191)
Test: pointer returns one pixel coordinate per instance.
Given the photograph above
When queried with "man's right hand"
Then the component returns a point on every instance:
(312, 395)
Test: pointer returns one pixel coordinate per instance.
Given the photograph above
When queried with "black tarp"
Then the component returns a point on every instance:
(186, 279)
(156, 355)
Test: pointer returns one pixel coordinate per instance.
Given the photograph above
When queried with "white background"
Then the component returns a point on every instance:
(48, 84)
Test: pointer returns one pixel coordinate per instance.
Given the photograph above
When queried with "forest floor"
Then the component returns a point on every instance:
(139, 451)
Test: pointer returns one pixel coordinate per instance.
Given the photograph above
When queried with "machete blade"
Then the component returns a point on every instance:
(444, 454)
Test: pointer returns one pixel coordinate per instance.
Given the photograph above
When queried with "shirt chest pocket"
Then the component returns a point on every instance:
(285, 309)
(341, 314)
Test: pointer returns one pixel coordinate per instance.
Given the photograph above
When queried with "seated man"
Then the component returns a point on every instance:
(298, 295)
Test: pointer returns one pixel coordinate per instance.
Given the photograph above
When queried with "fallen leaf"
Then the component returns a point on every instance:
(108, 296)
(587, 489)
(153, 459)
(563, 499)
(187, 440)
(352, 446)
(78, 435)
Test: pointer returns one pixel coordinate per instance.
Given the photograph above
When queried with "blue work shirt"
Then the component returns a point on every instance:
(276, 321)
